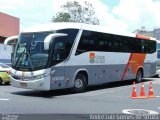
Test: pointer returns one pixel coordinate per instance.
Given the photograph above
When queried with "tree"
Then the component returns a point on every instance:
(61, 17)
(74, 12)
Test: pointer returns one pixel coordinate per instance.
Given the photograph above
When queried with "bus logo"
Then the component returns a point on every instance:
(92, 57)
(96, 58)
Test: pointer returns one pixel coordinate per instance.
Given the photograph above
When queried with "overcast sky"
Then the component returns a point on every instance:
(126, 15)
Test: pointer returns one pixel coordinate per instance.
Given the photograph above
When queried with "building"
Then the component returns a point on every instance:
(146, 33)
(156, 33)
(9, 26)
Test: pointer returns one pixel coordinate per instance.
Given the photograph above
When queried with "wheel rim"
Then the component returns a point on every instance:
(78, 83)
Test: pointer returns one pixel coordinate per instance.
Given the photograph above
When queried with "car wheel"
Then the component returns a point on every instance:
(80, 83)
(139, 76)
(1, 81)
(7, 83)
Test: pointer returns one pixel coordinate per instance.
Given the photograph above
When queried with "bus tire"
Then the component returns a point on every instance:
(7, 83)
(139, 76)
(80, 83)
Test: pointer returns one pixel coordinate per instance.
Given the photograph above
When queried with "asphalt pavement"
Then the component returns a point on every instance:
(111, 98)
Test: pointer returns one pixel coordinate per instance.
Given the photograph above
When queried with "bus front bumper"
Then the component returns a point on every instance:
(39, 84)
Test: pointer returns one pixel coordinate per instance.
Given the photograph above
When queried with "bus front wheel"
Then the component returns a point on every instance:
(80, 83)
(139, 76)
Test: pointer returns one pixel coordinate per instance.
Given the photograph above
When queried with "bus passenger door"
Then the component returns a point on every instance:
(57, 77)
(58, 69)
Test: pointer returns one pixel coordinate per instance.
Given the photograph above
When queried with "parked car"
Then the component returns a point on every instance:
(4, 73)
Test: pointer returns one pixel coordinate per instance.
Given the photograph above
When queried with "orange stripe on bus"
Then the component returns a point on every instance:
(136, 60)
(142, 37)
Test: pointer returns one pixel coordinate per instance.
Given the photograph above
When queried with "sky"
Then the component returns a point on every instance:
(125, 15)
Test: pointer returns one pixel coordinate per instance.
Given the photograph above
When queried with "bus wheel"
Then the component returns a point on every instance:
(1, 81)
(139, 76)
(80, 83)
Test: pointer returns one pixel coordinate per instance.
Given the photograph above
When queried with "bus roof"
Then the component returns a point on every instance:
(68, 25)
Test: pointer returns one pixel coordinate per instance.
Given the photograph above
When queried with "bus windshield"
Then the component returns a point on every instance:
(30, 55)
(29, 52)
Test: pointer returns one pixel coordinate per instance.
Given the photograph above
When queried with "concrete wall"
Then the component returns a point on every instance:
(5, 54)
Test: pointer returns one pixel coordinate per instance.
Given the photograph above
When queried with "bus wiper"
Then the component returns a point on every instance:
(19, 58)
(29, 57)
(27, 53)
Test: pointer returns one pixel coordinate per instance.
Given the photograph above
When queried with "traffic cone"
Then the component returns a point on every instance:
(142, 92)
(134, 94)
(151, 92)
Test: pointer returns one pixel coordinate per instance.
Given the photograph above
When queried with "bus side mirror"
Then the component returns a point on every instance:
(50, 37)
(10, 41)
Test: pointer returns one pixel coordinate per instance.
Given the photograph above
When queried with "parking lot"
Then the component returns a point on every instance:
(104, 99)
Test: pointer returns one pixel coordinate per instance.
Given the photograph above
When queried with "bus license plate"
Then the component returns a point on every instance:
(23, 84)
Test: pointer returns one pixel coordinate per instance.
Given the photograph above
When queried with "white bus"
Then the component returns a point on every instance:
(158, 58)
(74, 55)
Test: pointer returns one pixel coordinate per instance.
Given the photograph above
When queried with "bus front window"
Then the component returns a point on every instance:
(29, 53)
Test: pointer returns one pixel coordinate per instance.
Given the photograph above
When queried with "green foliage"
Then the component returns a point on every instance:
(74, 12)
(61, 17)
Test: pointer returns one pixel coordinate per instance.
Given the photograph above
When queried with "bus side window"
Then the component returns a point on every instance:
(59, 52)
(84, 43)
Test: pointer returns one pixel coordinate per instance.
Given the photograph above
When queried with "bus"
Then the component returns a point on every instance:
(158, 58)
(74, 55)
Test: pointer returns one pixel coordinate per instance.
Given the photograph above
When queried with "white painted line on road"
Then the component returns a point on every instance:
(4, 99)
(139, 111)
